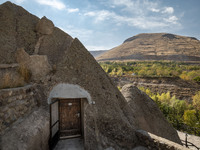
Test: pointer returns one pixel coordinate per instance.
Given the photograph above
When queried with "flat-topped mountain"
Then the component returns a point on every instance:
(155, 46)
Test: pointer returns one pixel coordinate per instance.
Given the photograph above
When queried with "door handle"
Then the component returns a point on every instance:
(78, 115)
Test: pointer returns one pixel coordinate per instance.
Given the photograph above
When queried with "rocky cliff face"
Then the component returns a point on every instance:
(155, 46)
(109, 121)
(20, 29)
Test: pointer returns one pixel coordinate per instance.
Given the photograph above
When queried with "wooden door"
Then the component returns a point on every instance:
(70, 118)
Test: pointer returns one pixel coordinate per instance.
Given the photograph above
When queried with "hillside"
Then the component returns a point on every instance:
(155, 46)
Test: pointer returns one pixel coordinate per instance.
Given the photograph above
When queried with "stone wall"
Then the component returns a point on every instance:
(154, 142)
(15, 103)
(10, 76)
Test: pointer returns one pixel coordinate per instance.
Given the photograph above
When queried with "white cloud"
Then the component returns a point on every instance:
(100, 15)
(169, 10)
(53, 3)
(19, 1)
(139, 22)
(154, 10)
(137, 13)
(91, 13)
(172, 19)
(72, 10)
(81, 33)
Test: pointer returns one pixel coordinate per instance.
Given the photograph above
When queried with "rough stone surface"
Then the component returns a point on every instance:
(31, 133)
(154, 142)
(37, 64)
(17, 28)
(105, 123)
(73, 144)
(55, 45)
(190, 138)
(15, 103)
(10, 76)
(45, 26)
(149, 117)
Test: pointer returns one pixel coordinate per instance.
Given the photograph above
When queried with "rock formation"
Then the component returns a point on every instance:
(149, 117)
(108, 121)
(155, 46)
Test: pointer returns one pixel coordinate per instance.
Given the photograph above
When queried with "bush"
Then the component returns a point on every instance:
(183, 116)
(153, 69)
(196, 101)
(197, 79)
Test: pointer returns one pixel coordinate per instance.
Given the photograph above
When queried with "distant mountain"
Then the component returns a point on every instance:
(97, 53)
(155, 46)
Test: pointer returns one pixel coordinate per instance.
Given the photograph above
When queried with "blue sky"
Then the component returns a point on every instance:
(104, 24)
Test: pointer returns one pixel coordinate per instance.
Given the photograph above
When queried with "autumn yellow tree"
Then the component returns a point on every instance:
(196, 101)
(190, 117)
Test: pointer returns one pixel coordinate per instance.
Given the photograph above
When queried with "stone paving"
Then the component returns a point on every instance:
(70, 144)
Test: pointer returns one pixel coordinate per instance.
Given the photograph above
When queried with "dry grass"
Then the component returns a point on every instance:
(9, 81)
(24, 72)
(12, 79)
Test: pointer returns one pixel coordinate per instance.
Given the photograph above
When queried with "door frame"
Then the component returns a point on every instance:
(53, 141)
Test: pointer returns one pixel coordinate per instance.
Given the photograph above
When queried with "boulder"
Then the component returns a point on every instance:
(38, 65)
(147, 114)
(45, 26)
(30, 133)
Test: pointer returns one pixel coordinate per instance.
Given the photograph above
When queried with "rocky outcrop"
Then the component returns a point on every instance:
(38, 65)
(30, 133)
(17, 28)
(45, 26)
(155, 46)
(149, 117)
(151, 141)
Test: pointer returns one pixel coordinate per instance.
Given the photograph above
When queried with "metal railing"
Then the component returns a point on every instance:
(189, 144)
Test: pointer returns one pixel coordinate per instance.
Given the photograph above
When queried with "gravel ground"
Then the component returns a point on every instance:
(191, 138)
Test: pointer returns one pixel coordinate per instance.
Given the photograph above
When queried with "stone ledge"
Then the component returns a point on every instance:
(4, 66)
(155, 142)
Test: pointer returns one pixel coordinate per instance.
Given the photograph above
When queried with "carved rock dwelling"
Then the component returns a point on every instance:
(52, 88)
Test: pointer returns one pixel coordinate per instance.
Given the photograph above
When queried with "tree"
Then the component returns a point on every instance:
(196, 101)
(190, 117)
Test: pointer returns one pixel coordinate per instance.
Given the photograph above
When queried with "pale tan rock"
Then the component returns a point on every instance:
(37, 64)
(32, 133)
(147, 114)
(45, 26)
